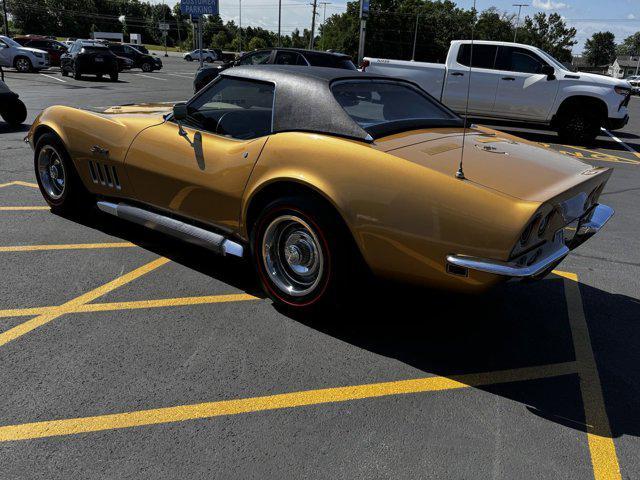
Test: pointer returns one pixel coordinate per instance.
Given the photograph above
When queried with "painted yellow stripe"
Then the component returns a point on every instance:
(182, 413)
(72, 246)
(20, 183)
(569, 275)
(606, 157)
(73, 304)
(601, 446)
(133, 305)
(18, 209)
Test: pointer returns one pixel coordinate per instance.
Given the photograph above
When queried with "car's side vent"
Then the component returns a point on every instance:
(106, 175)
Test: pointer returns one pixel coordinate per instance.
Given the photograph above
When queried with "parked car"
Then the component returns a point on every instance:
(516, 82)
(147, 63)
(23, 59)
(634, 81)
(277, 56)
(312, 173)
(86, 57)
(209, 56)
(12, 109)
(54, 48)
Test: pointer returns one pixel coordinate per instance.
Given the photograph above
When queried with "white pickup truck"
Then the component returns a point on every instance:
(516, 82)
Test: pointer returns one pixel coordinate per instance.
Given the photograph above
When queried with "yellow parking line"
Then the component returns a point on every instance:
(133, 305)
(183, 413)
(73, 304)
(569, 275)
(71, 246)
(606, 157)
(601, 446)
(16, 208)
(20, 183)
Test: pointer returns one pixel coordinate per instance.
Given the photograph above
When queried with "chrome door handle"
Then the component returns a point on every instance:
(510, 79)
(457, 74)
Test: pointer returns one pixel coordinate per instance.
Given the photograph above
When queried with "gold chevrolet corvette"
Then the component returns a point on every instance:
(311, 171)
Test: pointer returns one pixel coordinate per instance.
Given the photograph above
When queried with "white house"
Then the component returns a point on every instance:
(624, 66)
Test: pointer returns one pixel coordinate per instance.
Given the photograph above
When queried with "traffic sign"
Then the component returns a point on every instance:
(163, 26)
(197, 8)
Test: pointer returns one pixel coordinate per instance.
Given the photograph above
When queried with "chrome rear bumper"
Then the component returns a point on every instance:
(544, 258)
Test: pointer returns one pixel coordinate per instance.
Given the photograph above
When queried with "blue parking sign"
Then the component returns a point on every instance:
(196, 8)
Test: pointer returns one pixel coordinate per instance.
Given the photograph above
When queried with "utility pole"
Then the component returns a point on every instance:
(415, 38)
(364, 14)
(6, 20)
(519, 5)
(279, 21)
(324, 20)
(313, 24)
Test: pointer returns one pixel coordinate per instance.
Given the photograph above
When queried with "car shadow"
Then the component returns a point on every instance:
(6, 128)
(517, 325)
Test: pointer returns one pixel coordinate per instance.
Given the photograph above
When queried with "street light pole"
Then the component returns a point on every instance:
(324, 20)
(279, 21)
(415, 38)
(519, 5)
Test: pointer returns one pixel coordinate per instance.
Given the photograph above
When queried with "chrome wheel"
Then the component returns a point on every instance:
(292, 255)
(51, 172)
(23, 65)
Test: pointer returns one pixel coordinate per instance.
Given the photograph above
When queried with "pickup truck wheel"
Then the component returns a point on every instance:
(22, 64)
(296, 253)
(14, 112)
(578, 127)
(58, 180)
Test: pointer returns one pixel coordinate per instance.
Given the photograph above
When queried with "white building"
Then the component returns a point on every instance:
(624, 66)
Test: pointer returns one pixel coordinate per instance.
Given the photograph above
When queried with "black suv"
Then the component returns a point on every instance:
(277, 56)
(141, 60)
(86, 57)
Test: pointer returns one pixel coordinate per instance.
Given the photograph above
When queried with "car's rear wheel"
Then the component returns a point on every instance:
(58, 180)
(146, 67)
(579, 127)
(301, 253)
(114, 76)
(14, 112)
(22, 64)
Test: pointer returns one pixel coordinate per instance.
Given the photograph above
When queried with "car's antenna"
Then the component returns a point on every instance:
(460, 172)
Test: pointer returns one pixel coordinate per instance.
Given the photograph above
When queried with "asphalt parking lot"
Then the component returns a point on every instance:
(129, 355)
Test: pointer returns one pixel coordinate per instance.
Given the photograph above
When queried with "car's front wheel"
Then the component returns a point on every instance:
(57, 178)
(188, 58)
(147, 67)
(579, 127)
(299, 253)
(14, 112)
(23, 64)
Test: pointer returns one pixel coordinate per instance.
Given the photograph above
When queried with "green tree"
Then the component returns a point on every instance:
(549, 33)
(630, 45)
(256, 43)
(600, 49)
(494, 25)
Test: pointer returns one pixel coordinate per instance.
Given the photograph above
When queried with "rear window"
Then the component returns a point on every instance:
(484, 56)
(92, 48)
(331, 61)
(381, 107)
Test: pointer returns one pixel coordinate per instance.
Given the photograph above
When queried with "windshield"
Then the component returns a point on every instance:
(554, 62)
(381, 106)
(10, 42)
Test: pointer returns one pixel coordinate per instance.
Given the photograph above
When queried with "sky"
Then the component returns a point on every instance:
(622, 17)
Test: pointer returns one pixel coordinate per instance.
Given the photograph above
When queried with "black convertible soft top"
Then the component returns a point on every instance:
(304, 101)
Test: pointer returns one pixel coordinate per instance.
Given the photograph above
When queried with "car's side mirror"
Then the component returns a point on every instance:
(549, 71)
(180, 112)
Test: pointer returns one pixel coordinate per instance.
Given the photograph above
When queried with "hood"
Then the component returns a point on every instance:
(32, 50)
(140, 108)
(501, 162)
(601, 79)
